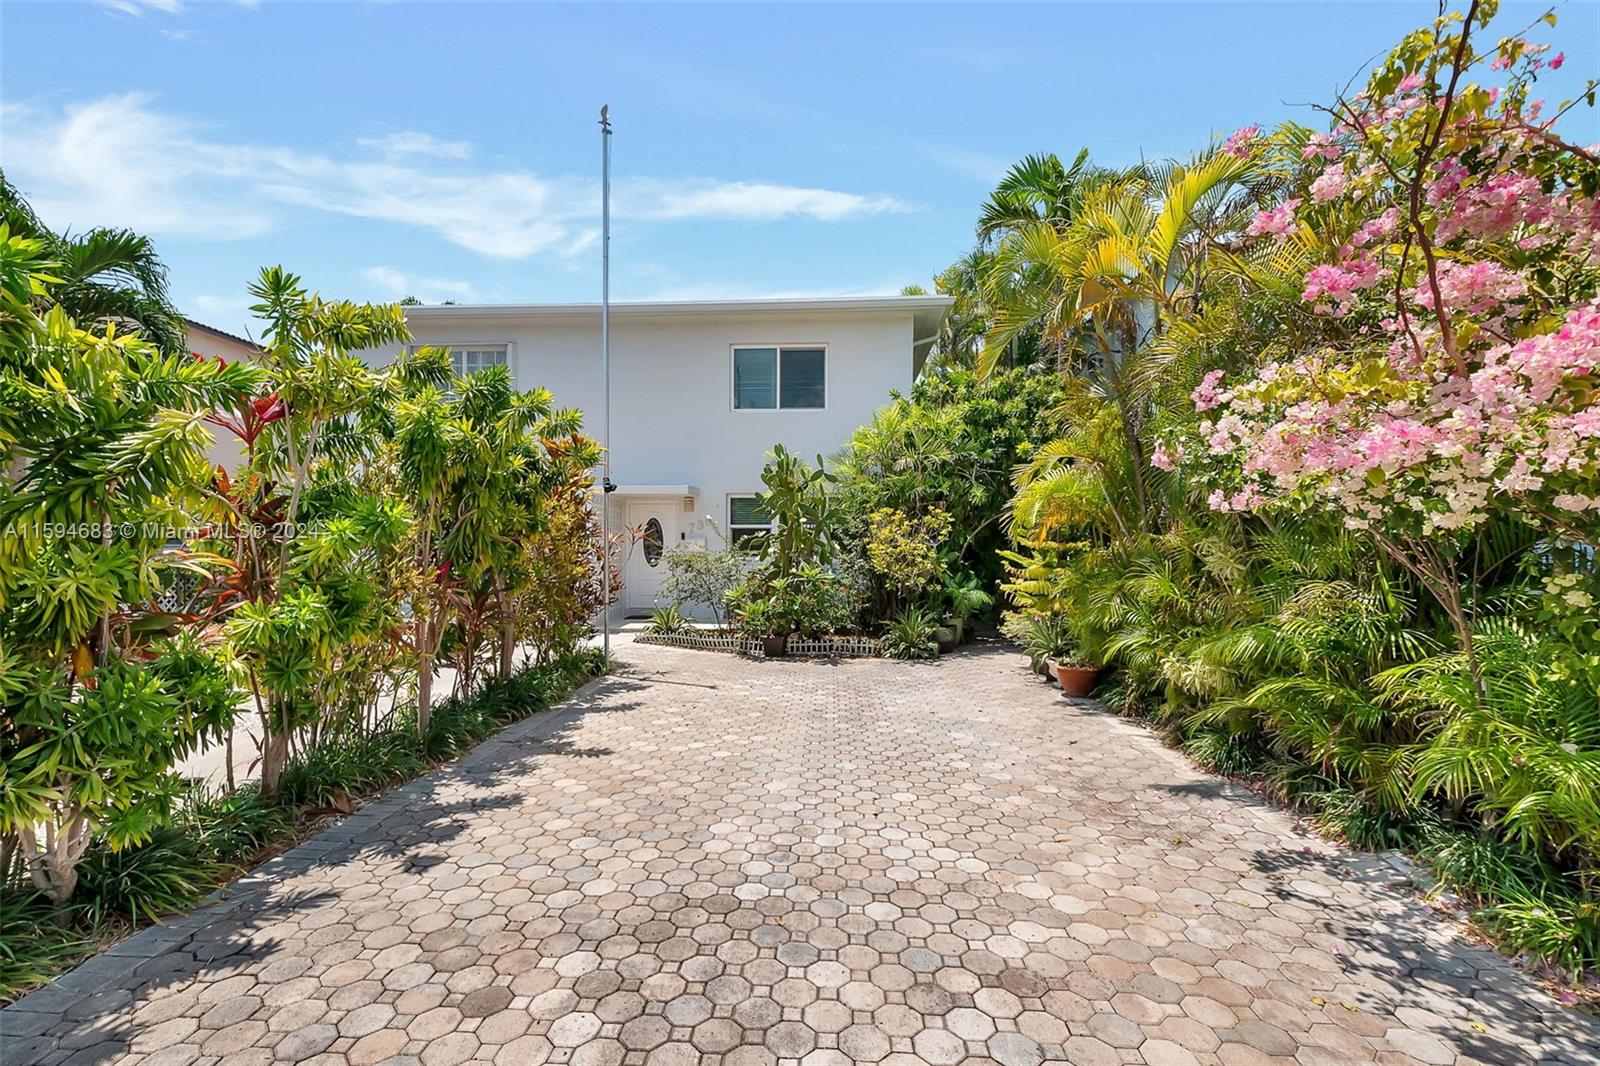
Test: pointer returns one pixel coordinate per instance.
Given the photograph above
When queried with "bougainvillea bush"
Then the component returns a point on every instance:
(1447, 415)
(1460, 238)
(1328, 498)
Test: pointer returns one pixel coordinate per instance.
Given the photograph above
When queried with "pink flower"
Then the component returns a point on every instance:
(1330, 185)
(1450, 174)
(1409, 83)
(1376, 229)
(1278, 221)
(1489, 209)
(1321, 146)
(1474, 287)
(1558, 59)
(1205, 395)
(1162, 459)
(1239, 144)
(1335, 287)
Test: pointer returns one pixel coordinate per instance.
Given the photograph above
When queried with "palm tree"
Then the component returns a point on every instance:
(1037, 190)
(106, 275)
(1104, 286)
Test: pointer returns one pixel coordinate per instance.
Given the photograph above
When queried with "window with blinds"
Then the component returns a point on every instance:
(747, 520)
(779, 378)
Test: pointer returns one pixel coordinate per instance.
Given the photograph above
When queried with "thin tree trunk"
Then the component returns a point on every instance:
(508, 636)
(424, 672)
(424, 695)
(54, 871)
(274, 755)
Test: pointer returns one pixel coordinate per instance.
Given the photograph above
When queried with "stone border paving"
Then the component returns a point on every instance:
(725, 861)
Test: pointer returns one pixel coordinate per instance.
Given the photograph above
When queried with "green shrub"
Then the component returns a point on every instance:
(212, 834)
(234, 826)
(37, 944)
(668, 621)
(910, 635)
(170, 872)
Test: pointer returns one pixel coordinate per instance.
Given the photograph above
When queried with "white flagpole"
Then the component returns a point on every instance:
(605, 373)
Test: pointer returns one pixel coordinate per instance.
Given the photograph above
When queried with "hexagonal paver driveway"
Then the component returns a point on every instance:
(706, 859)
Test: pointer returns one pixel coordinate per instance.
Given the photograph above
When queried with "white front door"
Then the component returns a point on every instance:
(655, 528)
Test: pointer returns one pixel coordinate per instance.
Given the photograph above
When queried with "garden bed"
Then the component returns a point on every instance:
(214, 838)
(833, 647)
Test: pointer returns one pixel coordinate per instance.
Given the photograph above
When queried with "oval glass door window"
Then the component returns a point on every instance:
(653, 542)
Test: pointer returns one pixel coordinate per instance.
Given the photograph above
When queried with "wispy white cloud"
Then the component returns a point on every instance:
(137, 8)
(116, 161)
(121, 161)
(745, 201)
(393, 284)
(403, 143)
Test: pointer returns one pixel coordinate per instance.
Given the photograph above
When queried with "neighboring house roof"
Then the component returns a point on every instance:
(214, 331)
(928, 312)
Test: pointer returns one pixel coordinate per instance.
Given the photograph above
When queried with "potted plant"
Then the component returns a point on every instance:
(1045, 639)
(946, 636)
(965, 597)
(910, 635)
(1076, 674)
(763, 619)
(759, 616)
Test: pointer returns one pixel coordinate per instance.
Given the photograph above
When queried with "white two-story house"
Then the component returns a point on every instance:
(700, 392)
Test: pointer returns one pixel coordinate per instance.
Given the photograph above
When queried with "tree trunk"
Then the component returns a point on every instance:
(424, 694)
(274, 755)
(55, 871)
(508, 640)
(424, 672)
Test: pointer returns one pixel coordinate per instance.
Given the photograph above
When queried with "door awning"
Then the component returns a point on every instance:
(655, 490)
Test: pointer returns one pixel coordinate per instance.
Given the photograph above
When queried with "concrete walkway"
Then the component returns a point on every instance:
(709, 859)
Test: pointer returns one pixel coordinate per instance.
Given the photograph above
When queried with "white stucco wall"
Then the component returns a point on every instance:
(672, 416)
(225, 450)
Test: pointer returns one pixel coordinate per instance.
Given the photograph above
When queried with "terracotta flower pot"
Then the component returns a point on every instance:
(1077, 680)
(772, 647)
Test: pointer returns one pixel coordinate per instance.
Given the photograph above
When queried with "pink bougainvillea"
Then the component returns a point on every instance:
(1241, 143)
(1278, 221)
(1466, 378)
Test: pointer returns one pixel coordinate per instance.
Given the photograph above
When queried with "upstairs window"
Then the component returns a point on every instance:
(471, 358)
(779, 378)
(747, 519)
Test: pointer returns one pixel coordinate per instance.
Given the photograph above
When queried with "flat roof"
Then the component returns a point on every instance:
(927, 312)
(689, 307)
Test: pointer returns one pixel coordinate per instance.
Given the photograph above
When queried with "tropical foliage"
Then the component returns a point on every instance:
(1324, 499)
(381, 523)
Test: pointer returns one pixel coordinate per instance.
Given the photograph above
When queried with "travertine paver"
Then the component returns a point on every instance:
(713, 860)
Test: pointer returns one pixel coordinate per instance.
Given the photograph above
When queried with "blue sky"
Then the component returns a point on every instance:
(450, 150)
